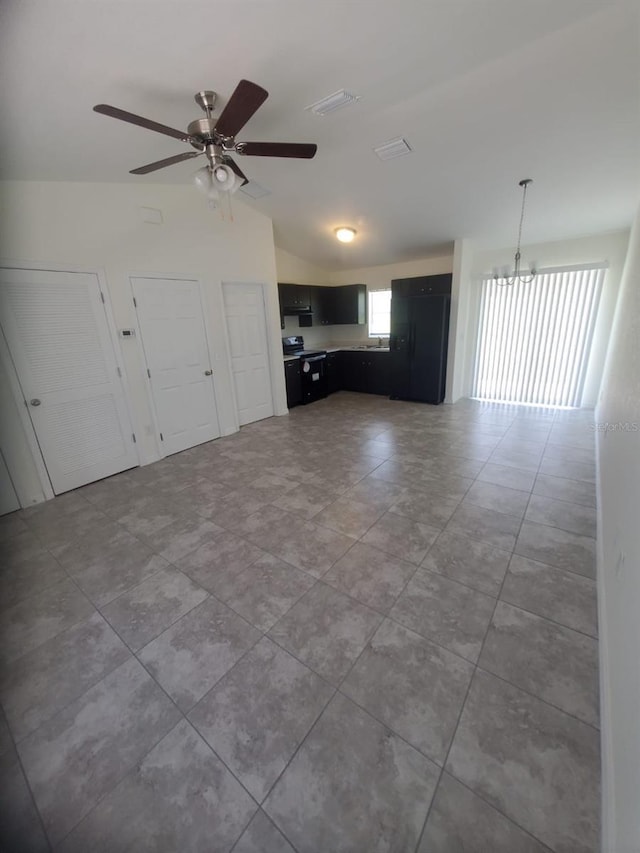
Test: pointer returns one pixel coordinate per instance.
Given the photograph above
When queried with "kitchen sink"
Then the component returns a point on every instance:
(368, 347)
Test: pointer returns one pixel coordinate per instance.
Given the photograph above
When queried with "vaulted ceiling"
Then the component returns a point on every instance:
(485, 92)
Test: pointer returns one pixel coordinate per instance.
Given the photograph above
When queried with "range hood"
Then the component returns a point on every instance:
(296, 310)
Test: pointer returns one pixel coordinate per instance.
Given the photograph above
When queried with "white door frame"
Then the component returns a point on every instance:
(7, 361)
(145, 365)
(265, 295)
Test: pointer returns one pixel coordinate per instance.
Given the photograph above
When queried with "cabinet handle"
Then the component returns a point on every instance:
(35, 401)
(208, 373)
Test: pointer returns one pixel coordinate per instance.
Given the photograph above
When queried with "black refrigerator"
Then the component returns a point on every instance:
(419, 337)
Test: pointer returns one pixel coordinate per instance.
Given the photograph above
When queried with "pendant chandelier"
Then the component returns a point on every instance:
(517, 274)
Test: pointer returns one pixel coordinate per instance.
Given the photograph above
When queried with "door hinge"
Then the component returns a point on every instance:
(133, 436)
(148, 373)
(134, 302)
(102, 297)
(161, 437)
(119, 371)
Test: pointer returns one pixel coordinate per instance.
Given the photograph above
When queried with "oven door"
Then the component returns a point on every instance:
(314, 378)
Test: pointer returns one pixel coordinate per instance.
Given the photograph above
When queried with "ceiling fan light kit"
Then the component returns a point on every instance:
(345, 234)
(216, 138)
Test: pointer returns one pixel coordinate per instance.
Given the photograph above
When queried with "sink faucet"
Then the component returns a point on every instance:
(379, 342)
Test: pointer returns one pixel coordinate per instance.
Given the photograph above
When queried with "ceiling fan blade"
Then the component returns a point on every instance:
(132, 118)
(277, 149)
(244, 102)
(168, 161)
(237, 170)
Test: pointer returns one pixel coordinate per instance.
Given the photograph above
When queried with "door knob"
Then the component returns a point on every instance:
(208, 372)
(35, 401)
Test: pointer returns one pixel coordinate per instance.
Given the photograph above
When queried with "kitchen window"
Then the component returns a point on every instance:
(379, 313)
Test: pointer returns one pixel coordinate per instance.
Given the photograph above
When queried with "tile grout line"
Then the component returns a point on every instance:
(477, 669)
(14, 745)
(462, 708)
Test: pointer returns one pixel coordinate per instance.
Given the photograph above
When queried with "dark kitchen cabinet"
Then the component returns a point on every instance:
(350, 305)
(293, 381)
(378, 373)
(345, 305)
(323, 303)
(294, 298)
(334, 372)
(421, 285)
(367, 372)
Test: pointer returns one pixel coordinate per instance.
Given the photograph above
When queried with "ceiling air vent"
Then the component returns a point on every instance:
(394, 148)
(333, 102)
(254, 190)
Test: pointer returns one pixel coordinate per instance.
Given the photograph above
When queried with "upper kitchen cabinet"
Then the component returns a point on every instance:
(294, 298)
(421, 285)
(318, 305)
(350, 305)
(323, 305)
(345, 305)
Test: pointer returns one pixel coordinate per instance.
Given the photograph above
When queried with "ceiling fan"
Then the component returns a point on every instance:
(216, 137)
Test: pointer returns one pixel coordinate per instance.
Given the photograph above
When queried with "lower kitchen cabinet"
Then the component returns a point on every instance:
(293, 381)
(367, 372)
(334, 372)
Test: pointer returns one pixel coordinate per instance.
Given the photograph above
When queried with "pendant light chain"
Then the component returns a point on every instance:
(517, 276)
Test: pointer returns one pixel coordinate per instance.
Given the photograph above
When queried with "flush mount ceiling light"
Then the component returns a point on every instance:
(345, 234)
(333, 102)
(517, 274)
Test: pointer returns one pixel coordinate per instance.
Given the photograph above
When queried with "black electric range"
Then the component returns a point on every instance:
(313, 372)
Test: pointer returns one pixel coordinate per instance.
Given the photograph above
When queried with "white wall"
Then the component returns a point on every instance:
(605, 247)
(462, 333)
(100, 227)
(618, 454)
(294, 270)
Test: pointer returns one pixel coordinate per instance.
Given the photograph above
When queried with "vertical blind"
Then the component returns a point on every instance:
(534, 339)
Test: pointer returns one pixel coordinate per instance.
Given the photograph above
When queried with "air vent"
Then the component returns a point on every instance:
(333, 102)
(394, 148)
(254, 190)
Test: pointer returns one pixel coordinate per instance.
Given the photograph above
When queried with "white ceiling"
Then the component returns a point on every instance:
(485, 91)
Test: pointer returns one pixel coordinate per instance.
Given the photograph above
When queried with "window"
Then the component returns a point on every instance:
(534, 339)
(379, 313)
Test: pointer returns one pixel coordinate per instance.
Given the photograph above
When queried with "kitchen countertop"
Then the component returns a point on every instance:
(361, 348)
(354, 348)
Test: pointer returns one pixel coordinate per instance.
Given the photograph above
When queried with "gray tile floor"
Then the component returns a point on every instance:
(368, 625)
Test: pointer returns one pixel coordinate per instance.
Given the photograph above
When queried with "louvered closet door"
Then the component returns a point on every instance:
(57, 332)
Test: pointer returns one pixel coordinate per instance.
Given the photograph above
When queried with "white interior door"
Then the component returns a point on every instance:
(57, 332)
(247, 329)
(174, 339)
